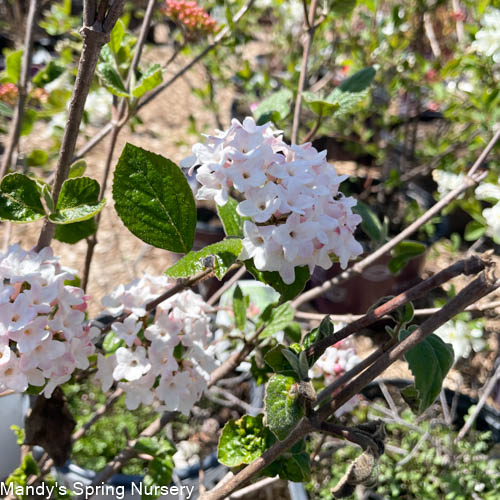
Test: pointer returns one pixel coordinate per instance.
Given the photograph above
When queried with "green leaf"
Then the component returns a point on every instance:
(243, 440)
(219, 256)
(274, 107)
(78, 201)
(275, 318)
(429, 361)
(75, 232)
(403, 253)
(324, 330)
(116, 36)
(240, 305)
(29, 118)
(77, 169)
(371, 224)
(111, 343)
(358, 82)
(279, 362)
(283, 407)
(320, 105)
(346, 101)
(291, 466)
(12, 66)
(111, 79)
(5, 110)
(231, 220)
(272, 278)
(37, 158)
(159, 474)
(20, 199)
(153, 199)
(53, 70)
(293, 331)
(150, 79)
(474, 230)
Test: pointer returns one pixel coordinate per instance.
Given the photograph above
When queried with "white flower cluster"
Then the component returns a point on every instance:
(489, 191)
(447, 181)
(488, 37)
(167, 359)
(44, 336)
(462, 337)
(297, 215)
(335, 361)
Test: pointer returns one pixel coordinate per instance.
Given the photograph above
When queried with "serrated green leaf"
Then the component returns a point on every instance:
(275, 107)
(53, 70)
(474, 230)
(154, 200)
(219, 256)
(111, 79)
(275, 318)
(429, 361)
(20, 199)
(150, 79)
(346, 101)
(240, 305)
(78, 201)
(116, 36)
(75, 232)
(273, 278)
(370, 224)
(77, 169)
(283, 406)
(231, 220)
(243, 440)
(358, 82)
(319, 105)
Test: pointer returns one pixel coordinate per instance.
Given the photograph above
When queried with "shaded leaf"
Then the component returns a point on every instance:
(111, 79)
(275, 318)
(370, 224)
(231, 220)
(358, 82)
(429, 361)
(75, 232)
(240, 305)
(403, 253)
(274, 107)
(20, 199)
(474, 230)
(272, 278)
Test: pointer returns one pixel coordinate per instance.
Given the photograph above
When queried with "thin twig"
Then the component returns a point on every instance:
(488, 388)
(309, 20)
(94, 37)
(226, 286)
(17, 119)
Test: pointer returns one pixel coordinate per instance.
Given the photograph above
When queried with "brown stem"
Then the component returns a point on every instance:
(94, 37)
(17, 119)
(469, 266)
(481, 286)
(309, 20)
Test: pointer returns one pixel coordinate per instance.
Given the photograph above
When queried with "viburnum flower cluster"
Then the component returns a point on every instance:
(8, 93)
(190, 15)
(44, 335)
(463, 336)
(166, 359)
(335, 361)
(297, 216)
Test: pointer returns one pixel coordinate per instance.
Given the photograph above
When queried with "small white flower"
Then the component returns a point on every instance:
(105, 368)
(492, 216)
(130, 365)
(128, 329)
(488, 191)
(488, 37)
